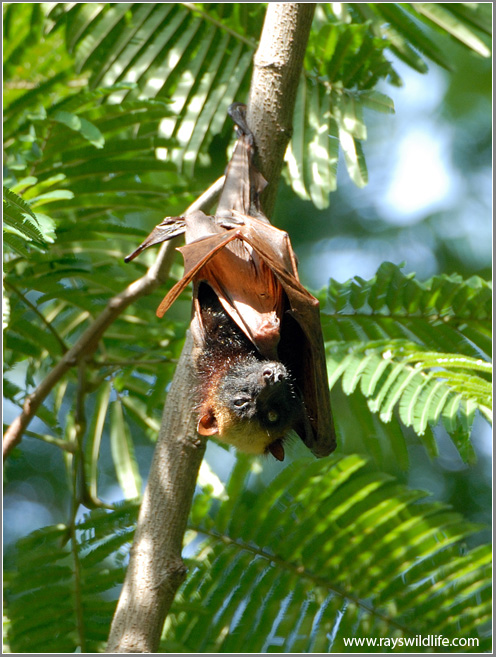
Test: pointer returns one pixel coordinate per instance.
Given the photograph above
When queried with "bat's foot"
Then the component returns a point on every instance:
(237, 112)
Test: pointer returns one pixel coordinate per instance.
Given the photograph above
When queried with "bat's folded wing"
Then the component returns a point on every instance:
(306, 350)
(196, 255)
(245, 286)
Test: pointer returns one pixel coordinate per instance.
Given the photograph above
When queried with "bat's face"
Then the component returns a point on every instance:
(253, 408)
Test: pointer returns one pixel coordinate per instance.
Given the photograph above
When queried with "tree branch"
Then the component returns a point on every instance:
(88, 342)
(156, 569)
(277, 68)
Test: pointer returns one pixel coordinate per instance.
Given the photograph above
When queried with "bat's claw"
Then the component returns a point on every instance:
(167, 229)
(237, 112)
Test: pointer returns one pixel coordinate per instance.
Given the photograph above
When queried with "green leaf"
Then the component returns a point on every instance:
(95, 434)
(48, 197)
(123, 453)
(351, 117)
(446, 20)
(88, 97)
(353, 155)
(295, 154)
(17, 202)
(320, 162)
(413, 31)
(476, 14)
(87, 130)
(22, 225)
(377, 101)
(16, 243)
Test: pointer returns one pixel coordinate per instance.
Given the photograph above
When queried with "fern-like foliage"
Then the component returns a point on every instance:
(348, 55)
(164, 48)
(80, 160)
(422, 349)
(22, 225)
(330, 550)
(55, 602)
(170, 50)
(327, 551)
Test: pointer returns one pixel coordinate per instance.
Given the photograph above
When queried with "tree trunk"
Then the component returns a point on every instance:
(156, 569)
(277, 68)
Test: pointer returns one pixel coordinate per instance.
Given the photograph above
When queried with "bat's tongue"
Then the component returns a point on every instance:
(277, 450)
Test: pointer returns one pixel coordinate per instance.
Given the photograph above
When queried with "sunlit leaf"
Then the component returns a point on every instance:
(123, 454)
(79, 124)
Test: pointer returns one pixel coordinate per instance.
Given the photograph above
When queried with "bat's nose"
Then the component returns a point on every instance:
(273, 373)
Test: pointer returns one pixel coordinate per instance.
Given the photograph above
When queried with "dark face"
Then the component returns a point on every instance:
(261, 392)
(253, 408)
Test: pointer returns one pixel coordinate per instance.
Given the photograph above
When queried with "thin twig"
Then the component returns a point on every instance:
(77, 478)
(66, 445)
(117, 364)
(27, 302)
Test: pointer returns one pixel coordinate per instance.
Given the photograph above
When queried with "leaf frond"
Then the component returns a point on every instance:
(420, 350)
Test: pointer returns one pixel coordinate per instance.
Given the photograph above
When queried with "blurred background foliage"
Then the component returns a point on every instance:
(115, 116)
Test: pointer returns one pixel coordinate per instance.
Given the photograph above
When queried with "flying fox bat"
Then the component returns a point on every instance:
(244, 399)
(250, 267)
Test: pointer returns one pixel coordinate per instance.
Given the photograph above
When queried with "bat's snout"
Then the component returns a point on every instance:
(274, 373)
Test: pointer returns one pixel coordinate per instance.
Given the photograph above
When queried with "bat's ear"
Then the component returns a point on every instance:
(207, 424)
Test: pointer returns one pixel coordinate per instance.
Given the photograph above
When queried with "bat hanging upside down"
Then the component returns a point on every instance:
(259, 350)
(246, 400)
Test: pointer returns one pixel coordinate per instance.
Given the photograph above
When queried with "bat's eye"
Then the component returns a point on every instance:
(272, 416)
(241, 402)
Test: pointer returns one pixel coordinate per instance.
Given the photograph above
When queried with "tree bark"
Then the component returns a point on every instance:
(156, 569)
(277, 68)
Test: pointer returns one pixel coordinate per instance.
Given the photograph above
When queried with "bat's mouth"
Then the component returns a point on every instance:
(276, 449)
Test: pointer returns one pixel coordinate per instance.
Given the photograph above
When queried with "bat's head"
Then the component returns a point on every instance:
(253, 407)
